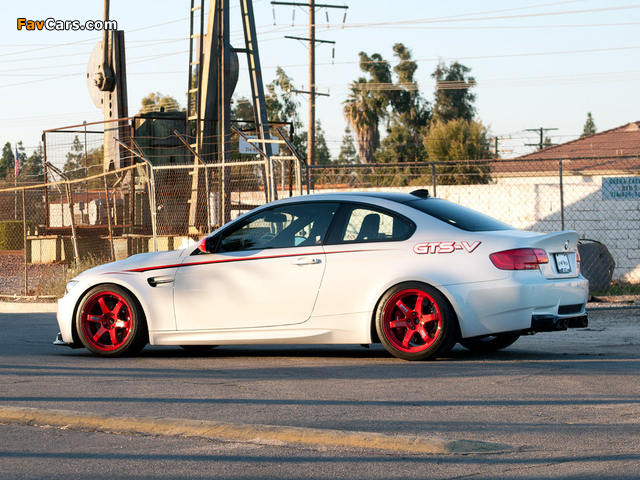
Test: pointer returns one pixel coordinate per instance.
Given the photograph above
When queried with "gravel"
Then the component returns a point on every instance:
(42, 280)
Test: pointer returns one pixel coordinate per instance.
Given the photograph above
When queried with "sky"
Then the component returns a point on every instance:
(537, 63)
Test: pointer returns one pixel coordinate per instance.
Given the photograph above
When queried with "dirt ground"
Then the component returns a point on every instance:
(42, 280)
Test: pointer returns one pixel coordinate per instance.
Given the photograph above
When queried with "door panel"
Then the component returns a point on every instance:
(266, 271)
(248, 289)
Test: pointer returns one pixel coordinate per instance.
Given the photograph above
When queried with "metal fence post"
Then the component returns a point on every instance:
(561, 199)
(106, 195)
(151, 189)
(67, 188)
(24, 242)
(152, 202)
(435, 183)
(206, 177)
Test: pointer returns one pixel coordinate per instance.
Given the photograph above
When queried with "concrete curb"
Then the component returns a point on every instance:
(17, 307)
(258, 434)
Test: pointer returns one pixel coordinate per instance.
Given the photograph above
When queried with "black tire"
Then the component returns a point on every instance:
(489, 344)
(414, 321)
(110, 322)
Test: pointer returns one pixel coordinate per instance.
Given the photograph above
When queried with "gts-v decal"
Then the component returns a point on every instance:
(445, 247)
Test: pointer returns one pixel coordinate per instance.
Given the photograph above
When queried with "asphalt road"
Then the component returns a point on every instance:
(566, 404)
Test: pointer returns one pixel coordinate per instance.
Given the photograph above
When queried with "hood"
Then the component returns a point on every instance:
(140, 260)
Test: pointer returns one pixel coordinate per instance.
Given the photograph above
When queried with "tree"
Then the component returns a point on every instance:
(156, 102)
(453, 98)
(323, 155)
(282, 107)
(408, 106)
(409, 114)
(379, 71)
(377, 97)
(241, 109)
(73, 167)
(7, 160)
(280, 100)
(33, 166)
(367, 104)
(589, 126)
(363, 120)
(95, 161)
(348, 152)
(457, 144)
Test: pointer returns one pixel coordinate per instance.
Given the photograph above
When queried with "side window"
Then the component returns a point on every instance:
(280, 227)
(366, 224)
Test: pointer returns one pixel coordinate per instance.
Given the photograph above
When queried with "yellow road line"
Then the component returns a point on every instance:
(258, 434)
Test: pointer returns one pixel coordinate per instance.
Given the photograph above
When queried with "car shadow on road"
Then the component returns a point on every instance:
(373, 352)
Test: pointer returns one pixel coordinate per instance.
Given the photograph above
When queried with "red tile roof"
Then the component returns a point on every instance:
(617, 142)
(615, 150)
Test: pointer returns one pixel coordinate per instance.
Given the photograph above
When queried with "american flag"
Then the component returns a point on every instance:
(17, 163)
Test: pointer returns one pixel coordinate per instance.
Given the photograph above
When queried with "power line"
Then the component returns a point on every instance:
(504, 17)
(540, 145)
(311, 131)
(511, 27)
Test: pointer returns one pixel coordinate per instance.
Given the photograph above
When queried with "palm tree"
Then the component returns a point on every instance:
(363, 118)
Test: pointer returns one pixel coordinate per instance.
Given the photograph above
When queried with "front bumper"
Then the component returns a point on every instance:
(61, 343)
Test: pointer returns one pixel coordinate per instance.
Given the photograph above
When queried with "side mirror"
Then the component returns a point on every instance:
(207, 244)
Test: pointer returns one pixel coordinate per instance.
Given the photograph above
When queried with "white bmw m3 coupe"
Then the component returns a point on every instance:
(415, 273)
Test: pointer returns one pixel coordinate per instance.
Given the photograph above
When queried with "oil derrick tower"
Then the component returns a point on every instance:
(107, 84)
(213, 74)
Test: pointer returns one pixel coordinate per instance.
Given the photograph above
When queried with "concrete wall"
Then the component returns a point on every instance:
(534, 203)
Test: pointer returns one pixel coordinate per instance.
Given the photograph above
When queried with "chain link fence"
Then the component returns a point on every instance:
(105, 199)
(155, 190)
(597, 197)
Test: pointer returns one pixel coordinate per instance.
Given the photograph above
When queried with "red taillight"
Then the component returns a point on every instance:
(541, 255)
(519, 259)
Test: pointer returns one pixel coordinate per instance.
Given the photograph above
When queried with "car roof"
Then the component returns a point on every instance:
(451, 213)
(390, 196)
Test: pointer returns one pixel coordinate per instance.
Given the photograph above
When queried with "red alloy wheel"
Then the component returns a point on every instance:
(106, 321)
(412, 320)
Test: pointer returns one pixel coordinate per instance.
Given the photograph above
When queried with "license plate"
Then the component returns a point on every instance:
(562, 262)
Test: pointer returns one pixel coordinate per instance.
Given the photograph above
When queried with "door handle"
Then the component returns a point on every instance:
(306, 261)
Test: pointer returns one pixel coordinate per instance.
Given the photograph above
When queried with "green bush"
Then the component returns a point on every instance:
(11, 235)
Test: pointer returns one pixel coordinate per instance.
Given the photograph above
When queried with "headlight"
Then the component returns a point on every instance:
(70, 285)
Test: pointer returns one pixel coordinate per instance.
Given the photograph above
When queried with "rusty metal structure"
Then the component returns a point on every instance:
(167, 174)
(213, 74)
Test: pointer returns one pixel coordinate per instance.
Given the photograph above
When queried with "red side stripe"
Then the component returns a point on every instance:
(242, 259)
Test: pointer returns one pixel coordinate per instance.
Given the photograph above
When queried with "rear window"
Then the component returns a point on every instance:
(459, 216)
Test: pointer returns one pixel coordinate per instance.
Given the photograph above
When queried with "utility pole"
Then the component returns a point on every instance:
(541, 130)
(496, 150)
(311, 133)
